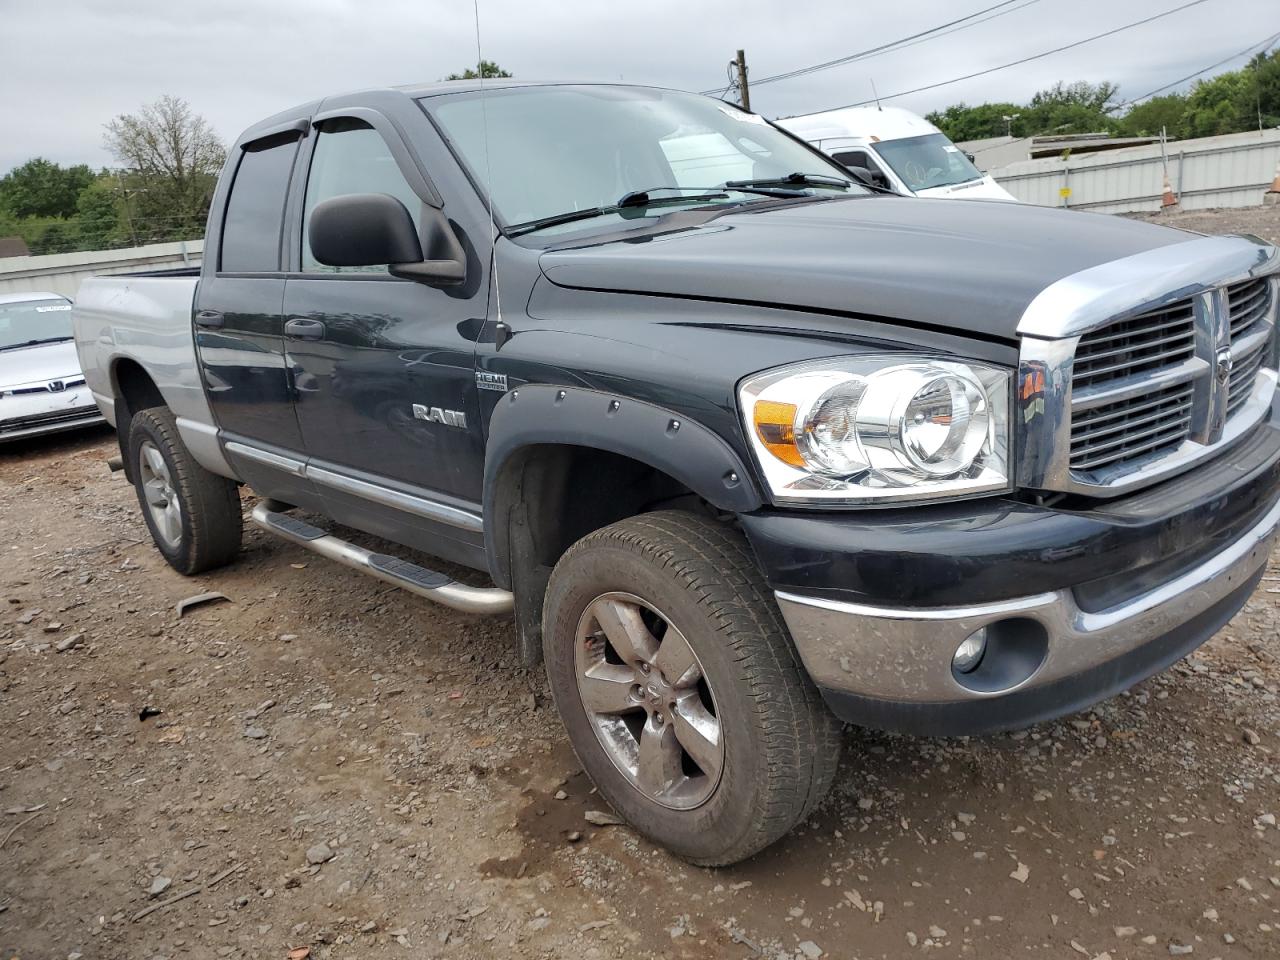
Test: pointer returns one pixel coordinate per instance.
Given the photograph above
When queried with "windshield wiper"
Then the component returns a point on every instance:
(635, 200)
(642, 198)
(555, 220)
(792, 179)
(36, 343)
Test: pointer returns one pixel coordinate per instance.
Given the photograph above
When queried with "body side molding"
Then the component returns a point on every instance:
(419, 503)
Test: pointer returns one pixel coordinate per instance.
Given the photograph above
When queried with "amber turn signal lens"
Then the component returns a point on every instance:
(775, 425)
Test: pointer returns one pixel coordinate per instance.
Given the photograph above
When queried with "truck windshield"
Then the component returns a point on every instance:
(34, 321)
(928, 161)
(553, 150)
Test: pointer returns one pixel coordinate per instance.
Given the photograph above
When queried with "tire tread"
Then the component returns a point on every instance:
(211, 504)
(802, 738)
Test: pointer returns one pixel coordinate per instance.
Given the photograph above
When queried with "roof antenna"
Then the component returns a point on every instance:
(875, 93)
(499, 339)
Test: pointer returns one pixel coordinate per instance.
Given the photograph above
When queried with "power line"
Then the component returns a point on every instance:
(1191, 76)
(965, 26)
(1038, 56)
(905, 41)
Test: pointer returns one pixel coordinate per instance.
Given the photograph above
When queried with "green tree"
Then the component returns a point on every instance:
(963, 122)
(1147, 118)
(1260, 94)
(42, 188)
(99, 215)
(1214, 106)
(54, 237)
(171, 158)
(1070, 108)
(487, 70)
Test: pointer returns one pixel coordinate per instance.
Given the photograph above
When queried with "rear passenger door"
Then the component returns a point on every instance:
(239, 327)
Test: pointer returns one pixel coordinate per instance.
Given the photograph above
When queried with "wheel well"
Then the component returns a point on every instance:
(134, 390)
(549, 496)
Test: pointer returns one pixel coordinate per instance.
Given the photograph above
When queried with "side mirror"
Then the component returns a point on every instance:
(971, 158)
(871, 179)
(370, 229)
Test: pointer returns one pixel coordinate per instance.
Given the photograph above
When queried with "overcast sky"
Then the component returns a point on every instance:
(71, 65)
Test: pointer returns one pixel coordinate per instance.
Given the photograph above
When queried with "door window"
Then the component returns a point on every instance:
(857, 158)
(351, 157)
(255, 208)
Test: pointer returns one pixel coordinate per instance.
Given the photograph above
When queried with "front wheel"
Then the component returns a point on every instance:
(193, 515)
(680, 689)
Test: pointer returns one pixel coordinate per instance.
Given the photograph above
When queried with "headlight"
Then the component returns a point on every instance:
(876, 429)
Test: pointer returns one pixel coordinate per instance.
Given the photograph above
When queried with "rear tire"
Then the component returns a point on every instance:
(193, 515)
(680, 689)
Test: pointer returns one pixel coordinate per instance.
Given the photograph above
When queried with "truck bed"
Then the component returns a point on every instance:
(145, 319)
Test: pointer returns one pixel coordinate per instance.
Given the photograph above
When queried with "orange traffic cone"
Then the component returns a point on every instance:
(1272, 196)
(1167, 200)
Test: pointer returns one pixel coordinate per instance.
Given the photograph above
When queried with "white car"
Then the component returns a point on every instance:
(898, 149)
(41, 387)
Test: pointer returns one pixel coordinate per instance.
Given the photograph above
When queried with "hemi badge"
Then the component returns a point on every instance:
(491, 381)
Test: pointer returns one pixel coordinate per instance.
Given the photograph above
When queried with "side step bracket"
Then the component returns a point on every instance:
(425, 583)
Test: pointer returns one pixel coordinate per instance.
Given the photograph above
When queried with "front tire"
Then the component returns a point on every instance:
(193, 515)
(681, 691)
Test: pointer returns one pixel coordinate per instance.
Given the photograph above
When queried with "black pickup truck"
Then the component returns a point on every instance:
(746, 447)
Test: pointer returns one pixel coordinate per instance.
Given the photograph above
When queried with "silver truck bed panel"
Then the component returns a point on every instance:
(148, 320)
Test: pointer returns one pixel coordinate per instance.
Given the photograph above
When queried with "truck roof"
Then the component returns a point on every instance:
(414, 91)
(29, 296)
(867, 123)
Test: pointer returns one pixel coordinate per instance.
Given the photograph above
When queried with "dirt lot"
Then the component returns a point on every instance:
(327, 763)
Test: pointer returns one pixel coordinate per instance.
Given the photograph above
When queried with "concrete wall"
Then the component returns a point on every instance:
(62, 272)
(1234, 170)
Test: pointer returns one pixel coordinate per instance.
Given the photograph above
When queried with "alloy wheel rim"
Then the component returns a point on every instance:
(157, 490)
(649, 700)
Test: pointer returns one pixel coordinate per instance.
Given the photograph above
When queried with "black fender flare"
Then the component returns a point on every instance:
(545, 414)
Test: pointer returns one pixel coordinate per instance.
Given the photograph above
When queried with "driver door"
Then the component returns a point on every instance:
(374, 355)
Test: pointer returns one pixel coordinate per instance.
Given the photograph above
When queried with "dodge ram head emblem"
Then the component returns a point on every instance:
(1225, 364)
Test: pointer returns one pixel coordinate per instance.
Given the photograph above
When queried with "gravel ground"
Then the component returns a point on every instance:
(323, 765)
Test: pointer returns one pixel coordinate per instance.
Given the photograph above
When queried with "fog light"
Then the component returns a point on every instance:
(969, 654)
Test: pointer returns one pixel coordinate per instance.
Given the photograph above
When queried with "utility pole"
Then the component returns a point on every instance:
(741, 63)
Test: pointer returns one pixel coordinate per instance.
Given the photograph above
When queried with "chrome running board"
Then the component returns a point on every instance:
(425, 583)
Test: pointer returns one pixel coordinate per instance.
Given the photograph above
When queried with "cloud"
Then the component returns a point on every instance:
(71, 65)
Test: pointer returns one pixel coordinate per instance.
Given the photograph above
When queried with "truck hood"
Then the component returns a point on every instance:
(967, 266)
(39, 364)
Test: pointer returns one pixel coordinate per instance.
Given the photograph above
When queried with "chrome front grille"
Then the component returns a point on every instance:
(1253, 323)
(1141, 345)
(1132, 371)
(1134, 381)
(1134, 427)
(1120, 412)
(1242, 379)
(1249, 305)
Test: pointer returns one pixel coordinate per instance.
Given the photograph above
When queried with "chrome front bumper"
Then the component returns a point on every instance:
(905, 655)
